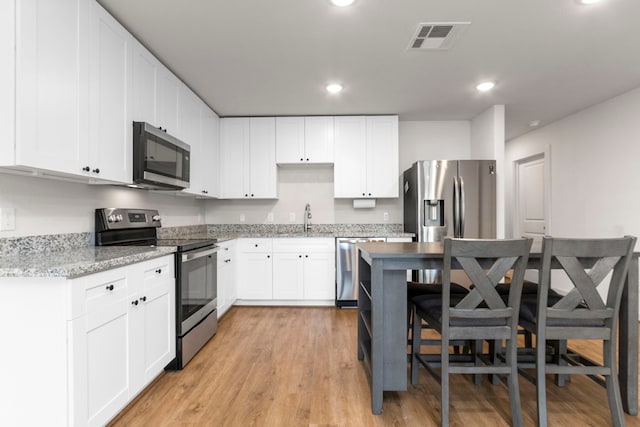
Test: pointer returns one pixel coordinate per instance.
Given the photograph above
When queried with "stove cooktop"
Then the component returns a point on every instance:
(184, 245)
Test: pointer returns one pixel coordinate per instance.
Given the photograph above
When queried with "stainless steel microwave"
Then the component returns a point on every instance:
(160, 161)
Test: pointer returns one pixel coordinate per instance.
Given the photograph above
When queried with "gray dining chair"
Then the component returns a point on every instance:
(479, 315)
(591, 265)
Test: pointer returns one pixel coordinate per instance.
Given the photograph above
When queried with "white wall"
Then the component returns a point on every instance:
(487, 142)
(298, 185)
(45, 206)
(595, 177)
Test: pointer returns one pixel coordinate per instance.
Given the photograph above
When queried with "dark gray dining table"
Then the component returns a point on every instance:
(382, 315)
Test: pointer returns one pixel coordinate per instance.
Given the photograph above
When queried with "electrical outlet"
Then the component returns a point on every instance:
(292, 216)
(242, 218)
(7, 219)
(270, 217)
(385, 216)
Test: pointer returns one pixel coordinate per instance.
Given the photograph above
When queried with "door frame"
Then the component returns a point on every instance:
(545, 154)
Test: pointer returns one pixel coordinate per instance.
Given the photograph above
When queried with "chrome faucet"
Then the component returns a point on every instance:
(307, 218)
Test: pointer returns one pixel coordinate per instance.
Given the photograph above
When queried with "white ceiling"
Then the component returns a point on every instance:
(550, 58)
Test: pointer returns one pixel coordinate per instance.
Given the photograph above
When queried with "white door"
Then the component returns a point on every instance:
(531, 198)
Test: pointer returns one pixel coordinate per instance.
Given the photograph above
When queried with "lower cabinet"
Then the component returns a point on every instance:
(93, 343)
(227, 292)
(304, 269)
(286, 270)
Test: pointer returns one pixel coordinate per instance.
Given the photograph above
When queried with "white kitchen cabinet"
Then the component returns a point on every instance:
(204, 181)
(255, 271)
(304, 269)
(227, 293)
(366, 156)
(305, 140)
(247, 158)
(45, 74)
(103, 336)
(152, 332)
(110, 114)
(155, 91)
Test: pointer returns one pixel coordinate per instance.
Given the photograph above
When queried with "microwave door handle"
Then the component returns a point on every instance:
(199, 254)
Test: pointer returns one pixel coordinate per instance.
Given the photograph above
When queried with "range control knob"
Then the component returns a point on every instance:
(156, 217)
(111, 218)
(119, 218)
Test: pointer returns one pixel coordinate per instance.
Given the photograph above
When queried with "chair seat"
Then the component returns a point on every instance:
(431, 306)
(528, 288)
(528, 312)
(415, 289)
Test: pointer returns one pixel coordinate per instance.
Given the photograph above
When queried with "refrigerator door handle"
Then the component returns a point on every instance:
(456, 208)
(462, 207)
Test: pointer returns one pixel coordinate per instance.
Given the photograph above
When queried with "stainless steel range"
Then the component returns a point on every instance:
(196, 263)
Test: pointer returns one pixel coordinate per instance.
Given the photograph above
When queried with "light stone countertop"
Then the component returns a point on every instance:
(77, 262)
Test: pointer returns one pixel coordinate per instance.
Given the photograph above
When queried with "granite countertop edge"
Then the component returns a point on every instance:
(78, 262)
(221, 237)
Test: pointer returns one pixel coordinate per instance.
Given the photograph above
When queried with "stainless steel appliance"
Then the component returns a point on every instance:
(347, 267)
(196, 265)
(160, 161)
(455, 198)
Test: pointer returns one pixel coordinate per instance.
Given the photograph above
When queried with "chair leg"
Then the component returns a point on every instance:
(416, 338)
(495, 346)
(444, 381)
(476, 347)
(613, 386)
(514, 388)
(541, 392)
(560, 352)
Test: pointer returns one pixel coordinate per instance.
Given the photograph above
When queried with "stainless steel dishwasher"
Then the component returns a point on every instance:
(347, 267)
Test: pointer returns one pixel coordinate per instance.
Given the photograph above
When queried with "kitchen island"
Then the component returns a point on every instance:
(382, 311)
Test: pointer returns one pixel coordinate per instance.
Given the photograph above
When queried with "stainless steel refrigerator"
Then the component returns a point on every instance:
(455, 198)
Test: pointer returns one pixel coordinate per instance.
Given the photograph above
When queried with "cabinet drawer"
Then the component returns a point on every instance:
(158, 268)
(256, 245)
(105, 289)
(304, 245)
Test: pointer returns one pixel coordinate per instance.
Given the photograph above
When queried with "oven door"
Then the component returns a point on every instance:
(197, 287)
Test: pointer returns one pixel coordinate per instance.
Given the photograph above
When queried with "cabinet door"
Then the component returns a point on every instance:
(51, 84)
(158, 304)
(255, 276)
(318, 139)
(234, 145)
(107, 361)
(208, 163)
(167, 100)
(382, 156)
(288, 275)
(262, 154)
(226, 277)
(189, 132)
(319, 276)
(145, 76)
(110, 74)
(349, 172)
(290, 140)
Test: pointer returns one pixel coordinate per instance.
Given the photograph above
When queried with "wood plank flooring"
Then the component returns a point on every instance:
(298, 366)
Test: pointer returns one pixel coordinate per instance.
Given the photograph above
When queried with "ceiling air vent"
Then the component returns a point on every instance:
(437, 35)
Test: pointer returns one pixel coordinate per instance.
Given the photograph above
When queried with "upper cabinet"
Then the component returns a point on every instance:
(304, 140)
(71, 98)
(247, 158)
(110, 113)
(366, 156)
(47, 93)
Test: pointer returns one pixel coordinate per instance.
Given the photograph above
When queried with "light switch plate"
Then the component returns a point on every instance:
(292, 216)
(7, 219)
(270, 217)
(242, 218)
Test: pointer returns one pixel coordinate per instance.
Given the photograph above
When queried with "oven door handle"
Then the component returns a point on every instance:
(199, 254)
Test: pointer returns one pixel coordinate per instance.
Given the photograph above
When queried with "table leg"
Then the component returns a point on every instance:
(628, 347)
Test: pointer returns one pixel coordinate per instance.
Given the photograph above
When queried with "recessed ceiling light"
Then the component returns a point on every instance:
(342, 3)
(485, 86)
(334, 88)
(587, 1)
(534, 123)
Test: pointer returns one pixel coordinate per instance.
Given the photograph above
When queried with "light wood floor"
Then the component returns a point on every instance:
(289, 366)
